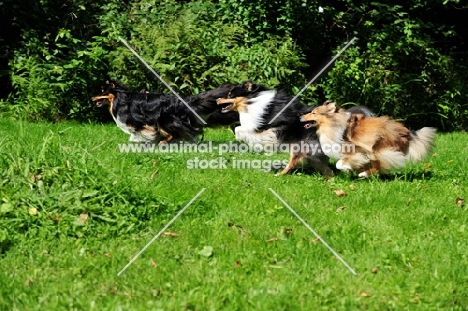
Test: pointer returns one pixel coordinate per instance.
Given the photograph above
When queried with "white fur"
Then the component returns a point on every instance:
(327, 144)
(391, 159)
(253, 118)
(335, 139)
(135, 137)
(363, 174)
(252, 138)
(420, 143)
(343, 167)
(122, 125)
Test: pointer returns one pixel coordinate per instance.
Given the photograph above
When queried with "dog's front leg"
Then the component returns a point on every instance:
(374, 169)
(343, 165)
(293, 159)
(242, 134)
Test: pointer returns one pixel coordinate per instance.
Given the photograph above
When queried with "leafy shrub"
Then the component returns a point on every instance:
(51, 84)
(396, 70)
(194, 51)
(56, 64)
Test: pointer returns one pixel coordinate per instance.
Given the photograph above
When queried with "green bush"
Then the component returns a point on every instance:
(194, 51)
(396, 69)
(55, 71)
(53, 87)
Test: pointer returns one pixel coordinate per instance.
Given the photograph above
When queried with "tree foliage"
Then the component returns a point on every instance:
(410, 60)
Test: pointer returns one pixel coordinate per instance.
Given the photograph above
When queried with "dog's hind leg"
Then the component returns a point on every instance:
(167, 136)
(320, 163)
(166, 140)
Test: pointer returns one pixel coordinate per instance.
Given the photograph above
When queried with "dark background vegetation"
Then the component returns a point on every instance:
(410, 60)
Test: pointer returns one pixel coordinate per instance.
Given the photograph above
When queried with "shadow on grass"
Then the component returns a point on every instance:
(407, 176)
(402, 176)
(5, 246)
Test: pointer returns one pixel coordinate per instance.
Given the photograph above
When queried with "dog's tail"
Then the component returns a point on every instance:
(420, 143)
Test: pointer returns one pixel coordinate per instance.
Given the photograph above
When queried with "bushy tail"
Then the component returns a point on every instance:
(390, 159)
(420, 143)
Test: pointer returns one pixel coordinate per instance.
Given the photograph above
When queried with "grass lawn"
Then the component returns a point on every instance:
(75, 211)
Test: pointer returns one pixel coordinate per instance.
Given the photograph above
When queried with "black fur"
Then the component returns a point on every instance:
(205, 105)
(161, 112)
(165, 114)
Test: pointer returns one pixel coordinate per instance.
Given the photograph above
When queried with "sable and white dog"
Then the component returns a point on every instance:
(379, 144)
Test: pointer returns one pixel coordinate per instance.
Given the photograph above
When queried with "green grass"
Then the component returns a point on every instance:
(407, 226)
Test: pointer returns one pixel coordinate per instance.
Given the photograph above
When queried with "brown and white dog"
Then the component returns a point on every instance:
(367, 144)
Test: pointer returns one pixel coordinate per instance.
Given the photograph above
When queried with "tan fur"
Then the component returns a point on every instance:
(237, 104)
(108, 100)
(381, 143)
(167, 136)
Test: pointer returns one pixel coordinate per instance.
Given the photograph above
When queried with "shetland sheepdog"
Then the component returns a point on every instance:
(367, 144)
(150, 117)
(269, 117)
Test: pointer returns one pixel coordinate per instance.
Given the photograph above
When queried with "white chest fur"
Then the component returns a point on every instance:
(252, 138)
(252, 118)
(122, 125)
(134, 135)
(331, 146)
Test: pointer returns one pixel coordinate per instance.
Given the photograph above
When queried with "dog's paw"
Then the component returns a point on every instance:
(363, 174)
(343, 167)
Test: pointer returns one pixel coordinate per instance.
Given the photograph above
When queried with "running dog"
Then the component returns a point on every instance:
(149, 117)
(367, 144)
(270, 117)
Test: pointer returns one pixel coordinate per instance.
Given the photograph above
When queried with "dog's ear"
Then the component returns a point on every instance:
(331, 107)
(248, 85)
(111, 83)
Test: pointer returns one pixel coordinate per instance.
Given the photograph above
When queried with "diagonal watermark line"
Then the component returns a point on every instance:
(160, 232)
(314, 78)
(159, 77)
(315, 233)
